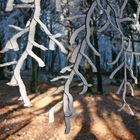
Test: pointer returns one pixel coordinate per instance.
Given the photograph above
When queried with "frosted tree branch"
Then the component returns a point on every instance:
(119, 19)
(8, 64)
(78, 53)
(13, 44)
(114, 16)
(76, 58)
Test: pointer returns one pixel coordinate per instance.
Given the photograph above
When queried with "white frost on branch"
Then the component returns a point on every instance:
(9, 5)
(75, 34)
(8, 63)
(48, 33)
(52, 42)
(116, 70)
(67, 68)
(12, 43)
(16, 27)
(16, 79)
(78, 53)
(27, 1)
(76, 57)
(119, 19)
(53, 110)
(60, 77)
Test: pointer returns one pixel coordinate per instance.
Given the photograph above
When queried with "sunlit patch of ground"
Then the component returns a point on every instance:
(96, 117)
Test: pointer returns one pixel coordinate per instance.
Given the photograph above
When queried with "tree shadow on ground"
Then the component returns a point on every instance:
(11, 129)
(46, 108)
(129, 123)
(13, 110)
(85, 132)
(18, 106)
(105, 106)
(134, 103)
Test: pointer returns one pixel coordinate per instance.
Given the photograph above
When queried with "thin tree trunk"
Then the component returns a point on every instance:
(2, 77)
(118, 75)
(97, 59)
(133, 49)
(34, 81)
(138, 76)
(52, 53)
(35, 67)
(68, 32)
(88, 69)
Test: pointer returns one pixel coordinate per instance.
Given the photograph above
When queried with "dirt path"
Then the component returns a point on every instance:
(95, 118)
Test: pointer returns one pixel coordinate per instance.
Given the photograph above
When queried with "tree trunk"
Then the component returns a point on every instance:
(88, 69)
(68, 31)
(138, 76)
(119, 74)
(34, 80)
(2, 77)
(35, 67)
(134, 61)
(52, 53)
(97, 59)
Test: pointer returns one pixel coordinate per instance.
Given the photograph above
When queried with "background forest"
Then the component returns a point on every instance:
(77, 59)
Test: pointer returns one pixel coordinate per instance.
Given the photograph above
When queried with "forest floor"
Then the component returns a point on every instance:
(96, 116)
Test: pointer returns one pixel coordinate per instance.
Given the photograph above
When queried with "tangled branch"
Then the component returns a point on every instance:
(78, 53)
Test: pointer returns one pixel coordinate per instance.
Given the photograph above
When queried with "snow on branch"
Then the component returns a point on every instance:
(76, 57)
(75, 34)
(12, 43)
(27, 1)
(8, 64)
(67, 68)
(119, 19)
(60, 77)
(52, 37)
(52, 111)
(16, 27)
(23, 6)
(114, 18)
(10, 5)
(16, 79)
